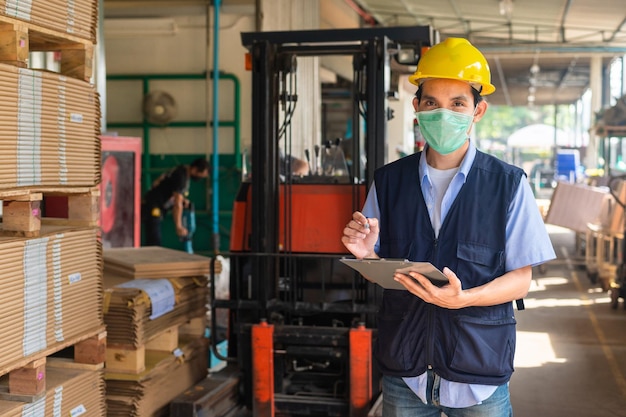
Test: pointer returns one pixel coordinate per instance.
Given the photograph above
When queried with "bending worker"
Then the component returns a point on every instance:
(450, 349)
(170, 191)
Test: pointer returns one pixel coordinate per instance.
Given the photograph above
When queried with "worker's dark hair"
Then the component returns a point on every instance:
(477, 97)
(200, 164)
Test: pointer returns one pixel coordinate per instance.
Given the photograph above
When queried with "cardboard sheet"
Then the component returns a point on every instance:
(52, 292)
(155, 262)
(128, 310)
(165, 377)
(574, 206)
(77, 18)
(49, 130)
(69, 392)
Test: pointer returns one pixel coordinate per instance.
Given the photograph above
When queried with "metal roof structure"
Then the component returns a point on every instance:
(534, 47)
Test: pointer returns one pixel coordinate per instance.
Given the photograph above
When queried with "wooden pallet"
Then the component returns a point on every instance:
(18, 38)
(130, 359)
(26, 379)
(22, 209)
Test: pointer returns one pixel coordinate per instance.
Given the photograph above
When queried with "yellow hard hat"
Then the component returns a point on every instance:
(455, 59)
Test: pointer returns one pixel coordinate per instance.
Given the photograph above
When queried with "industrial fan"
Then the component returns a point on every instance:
(159, 107)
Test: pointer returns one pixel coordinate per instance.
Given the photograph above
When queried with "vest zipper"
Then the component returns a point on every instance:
(435, 250)
(430, 337)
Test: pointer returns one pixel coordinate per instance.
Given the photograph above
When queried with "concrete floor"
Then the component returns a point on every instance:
(571, 351)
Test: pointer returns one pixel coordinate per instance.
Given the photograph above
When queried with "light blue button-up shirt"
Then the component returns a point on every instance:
(527, 243)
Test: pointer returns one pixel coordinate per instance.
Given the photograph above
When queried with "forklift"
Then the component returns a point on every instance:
(301, 324)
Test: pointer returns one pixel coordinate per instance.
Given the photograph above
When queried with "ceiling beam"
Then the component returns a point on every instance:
(568, 4)
(503, 84)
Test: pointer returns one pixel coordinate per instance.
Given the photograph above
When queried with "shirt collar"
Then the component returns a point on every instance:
(466, 163)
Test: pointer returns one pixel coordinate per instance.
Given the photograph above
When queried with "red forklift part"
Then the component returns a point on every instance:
(318, 214)
(263, 370)
(360, 371)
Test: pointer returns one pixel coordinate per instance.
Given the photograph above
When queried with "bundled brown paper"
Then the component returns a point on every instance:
(51, 293)
(155, 262)
(49, 130)
(166, 377)
(75, 17)
(128, 310)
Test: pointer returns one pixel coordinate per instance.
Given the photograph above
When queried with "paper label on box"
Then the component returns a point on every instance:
(77, 411)
(36, 409)
(160, 291)
(57, 276)
(35, 295)
(70, 16)
(76, 117)
(19, 8)
(58, 401)
(29, 116)
(74, 278)
(62, 147)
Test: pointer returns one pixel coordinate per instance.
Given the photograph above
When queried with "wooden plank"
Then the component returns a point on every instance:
(30, 379)
(18, 38)
(22, 215)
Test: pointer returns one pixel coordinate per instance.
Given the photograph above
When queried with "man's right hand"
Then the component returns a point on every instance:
(360, 236)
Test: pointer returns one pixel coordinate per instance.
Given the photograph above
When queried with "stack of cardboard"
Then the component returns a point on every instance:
(51, 284)
(50, 125)
(69, 392)
(128, 310)
(74, 17)
(150, 360)
(51, 292)
(166, 376)
(155, 262)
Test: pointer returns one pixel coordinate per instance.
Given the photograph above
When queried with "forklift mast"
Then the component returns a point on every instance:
(301, 324)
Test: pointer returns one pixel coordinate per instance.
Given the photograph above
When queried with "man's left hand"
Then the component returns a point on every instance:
(449, 296)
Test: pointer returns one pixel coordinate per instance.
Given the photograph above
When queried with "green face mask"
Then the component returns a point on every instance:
(444, 130)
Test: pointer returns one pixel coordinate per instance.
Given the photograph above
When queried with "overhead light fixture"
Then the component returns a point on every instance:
(534, 69)
(506, 8)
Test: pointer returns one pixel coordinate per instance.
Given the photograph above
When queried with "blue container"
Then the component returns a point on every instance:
(567, 163)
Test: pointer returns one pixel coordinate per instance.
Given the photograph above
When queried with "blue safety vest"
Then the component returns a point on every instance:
(470, 345)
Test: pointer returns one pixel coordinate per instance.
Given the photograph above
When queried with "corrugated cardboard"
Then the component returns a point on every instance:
(155, 262)
(49, 130)
(69, 392)
(166, 377)
(574, 206)
(75, 17)
(128, 310)
(51, 293)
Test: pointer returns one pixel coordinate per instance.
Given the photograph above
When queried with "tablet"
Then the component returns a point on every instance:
(380, 271)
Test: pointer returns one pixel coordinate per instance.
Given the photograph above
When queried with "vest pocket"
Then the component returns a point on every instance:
(481, 262)
(398, 345)
(484, 347)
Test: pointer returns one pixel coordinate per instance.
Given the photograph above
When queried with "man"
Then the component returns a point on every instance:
(170, 191)
(450, 349)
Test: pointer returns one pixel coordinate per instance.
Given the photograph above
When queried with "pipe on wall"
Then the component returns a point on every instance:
(215, 200)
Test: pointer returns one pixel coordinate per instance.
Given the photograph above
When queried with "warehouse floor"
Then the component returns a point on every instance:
(571, 351)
